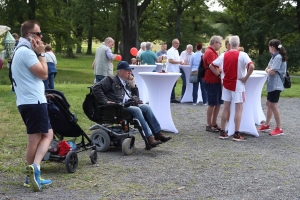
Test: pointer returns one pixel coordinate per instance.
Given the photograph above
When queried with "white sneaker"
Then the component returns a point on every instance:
(194, 104)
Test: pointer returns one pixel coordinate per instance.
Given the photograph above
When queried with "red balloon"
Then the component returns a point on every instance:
(133, 51)
(118, 57)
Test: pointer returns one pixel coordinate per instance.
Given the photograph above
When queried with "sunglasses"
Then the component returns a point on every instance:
(36, 33)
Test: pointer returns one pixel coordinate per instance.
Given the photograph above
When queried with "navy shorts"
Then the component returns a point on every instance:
(35, 117)
(273, 96)
(214, 93)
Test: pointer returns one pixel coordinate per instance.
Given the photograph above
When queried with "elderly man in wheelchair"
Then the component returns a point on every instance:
(121, 89)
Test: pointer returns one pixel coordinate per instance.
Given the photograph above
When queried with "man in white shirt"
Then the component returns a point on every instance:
(173, 64)
(185, 57)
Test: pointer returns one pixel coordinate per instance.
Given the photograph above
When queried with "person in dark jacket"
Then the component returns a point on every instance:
(112, 90)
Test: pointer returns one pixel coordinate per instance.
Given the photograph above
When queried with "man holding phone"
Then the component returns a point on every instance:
(29, 69)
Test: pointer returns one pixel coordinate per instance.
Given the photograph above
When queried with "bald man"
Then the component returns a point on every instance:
(102, 64)
(173, 64)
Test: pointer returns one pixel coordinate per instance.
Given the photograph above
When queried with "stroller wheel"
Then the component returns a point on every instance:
(127, 149)
(93, 156)
(71, 161)
(101, 140)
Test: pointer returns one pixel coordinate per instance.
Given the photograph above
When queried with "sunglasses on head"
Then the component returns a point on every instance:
(36, 33)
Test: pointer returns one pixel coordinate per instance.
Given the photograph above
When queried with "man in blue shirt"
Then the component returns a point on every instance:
(163, 51)
(29, 69)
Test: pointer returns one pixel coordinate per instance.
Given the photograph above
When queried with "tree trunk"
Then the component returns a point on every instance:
(69, 53)
(31, 12)
(58, 46)
(90, 35)
(177, 27)
(130, 15)
(79, 40)
(117, 37)
(298, 14)
(130, 28)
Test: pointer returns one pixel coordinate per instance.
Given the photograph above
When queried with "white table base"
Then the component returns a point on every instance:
(188, 95)
(259, 115)
(250, 106)
(160, 86)
(143, 90)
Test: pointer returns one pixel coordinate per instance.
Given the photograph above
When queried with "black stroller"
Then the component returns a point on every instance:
(115, 127)
(64, 124)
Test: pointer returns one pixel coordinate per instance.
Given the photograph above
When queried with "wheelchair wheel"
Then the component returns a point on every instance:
(126, 147)
(101, 140)
(71, 161)
(93, 156)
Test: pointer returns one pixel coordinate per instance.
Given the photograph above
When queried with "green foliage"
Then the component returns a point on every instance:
(260, 21)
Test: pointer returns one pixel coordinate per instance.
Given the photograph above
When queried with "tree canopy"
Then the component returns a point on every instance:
(66, 24)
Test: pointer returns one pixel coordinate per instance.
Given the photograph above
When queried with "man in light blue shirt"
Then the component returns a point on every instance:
(29, 69)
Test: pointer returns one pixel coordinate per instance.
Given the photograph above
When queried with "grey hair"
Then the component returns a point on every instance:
(143, 44)
(215, 38)
(148, 45)
(108, 39)
(189, 45)
(234, 41)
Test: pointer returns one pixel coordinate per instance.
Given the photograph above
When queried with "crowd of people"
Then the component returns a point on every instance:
(223, 83)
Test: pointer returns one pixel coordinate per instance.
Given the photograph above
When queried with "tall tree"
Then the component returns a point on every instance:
(131, 13)
(259, 21)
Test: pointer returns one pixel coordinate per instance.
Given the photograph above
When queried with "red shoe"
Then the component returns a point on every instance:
(264, 128)
(277, 131)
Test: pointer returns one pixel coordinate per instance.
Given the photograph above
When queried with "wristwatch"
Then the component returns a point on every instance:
(41, 54)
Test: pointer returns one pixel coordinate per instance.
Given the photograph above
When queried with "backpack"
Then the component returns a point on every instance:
(201, 69)
(286, 80)
(89, 106)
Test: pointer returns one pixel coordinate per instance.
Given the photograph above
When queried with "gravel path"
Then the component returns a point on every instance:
(194, 165)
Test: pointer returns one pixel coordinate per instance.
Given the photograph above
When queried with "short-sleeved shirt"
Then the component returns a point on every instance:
(159, 53)
(275, 82)
(184, 56)
(148, 57)
(172, 53)
(29, 88)
(195, 60)
(209, 56)
(234, 64)
(50, 57)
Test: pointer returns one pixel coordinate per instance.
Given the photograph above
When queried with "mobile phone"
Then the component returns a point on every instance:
(30, 37)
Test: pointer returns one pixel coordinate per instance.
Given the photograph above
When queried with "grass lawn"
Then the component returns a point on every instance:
(73, 78)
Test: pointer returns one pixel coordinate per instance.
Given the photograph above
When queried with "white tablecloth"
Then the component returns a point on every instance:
(259, 115)
(251, 106)
(188, 95)
(160, 86)
(158, 67)
(143, 90)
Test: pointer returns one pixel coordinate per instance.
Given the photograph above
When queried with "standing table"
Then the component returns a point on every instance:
(259, 115)
(158, 67)
(251, 106)
(188, 95)
(159, 87)
(143, 90)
